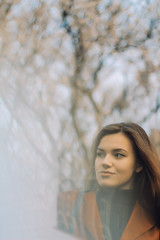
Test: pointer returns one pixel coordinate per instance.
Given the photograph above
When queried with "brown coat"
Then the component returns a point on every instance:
(86, 222)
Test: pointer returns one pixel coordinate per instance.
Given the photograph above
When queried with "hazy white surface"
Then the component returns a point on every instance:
(28, 185)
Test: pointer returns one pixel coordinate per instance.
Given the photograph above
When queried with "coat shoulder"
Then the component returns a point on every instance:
(68, 206)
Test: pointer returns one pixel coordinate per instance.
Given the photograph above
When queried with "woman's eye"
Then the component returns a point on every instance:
(100, 154)
(119, 155)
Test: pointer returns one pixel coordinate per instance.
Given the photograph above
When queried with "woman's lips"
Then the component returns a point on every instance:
(106, 173)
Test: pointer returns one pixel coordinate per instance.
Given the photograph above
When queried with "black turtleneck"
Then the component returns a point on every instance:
(115, 207)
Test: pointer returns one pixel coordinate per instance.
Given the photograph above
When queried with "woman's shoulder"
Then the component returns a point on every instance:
(74, 192)
(67, 194)
(73, 195)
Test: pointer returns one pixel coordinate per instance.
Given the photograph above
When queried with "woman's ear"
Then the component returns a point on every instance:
(139, 169)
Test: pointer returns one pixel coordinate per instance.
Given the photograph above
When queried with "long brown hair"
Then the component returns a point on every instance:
(147, 182)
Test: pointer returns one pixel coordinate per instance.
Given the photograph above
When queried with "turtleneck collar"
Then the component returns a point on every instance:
(123, 196)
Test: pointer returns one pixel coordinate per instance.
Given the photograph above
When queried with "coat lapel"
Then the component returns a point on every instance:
(90, 218)
(139, 223)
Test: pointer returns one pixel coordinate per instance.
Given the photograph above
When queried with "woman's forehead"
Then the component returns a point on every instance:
(117, 140)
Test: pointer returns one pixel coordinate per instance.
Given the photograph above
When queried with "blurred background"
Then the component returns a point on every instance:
(67, 68)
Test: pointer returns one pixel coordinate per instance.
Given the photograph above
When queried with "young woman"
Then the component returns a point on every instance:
(123, 200)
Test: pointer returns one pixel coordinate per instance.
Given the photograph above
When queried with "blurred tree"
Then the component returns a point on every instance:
(69, 67)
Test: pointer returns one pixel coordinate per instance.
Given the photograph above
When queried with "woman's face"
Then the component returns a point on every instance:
(115, 163)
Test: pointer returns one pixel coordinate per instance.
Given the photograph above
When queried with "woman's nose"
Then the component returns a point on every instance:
(107, 161)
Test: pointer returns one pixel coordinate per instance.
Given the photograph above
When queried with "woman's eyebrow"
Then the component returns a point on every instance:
(113, 150)
(100, 149)
(119, 150)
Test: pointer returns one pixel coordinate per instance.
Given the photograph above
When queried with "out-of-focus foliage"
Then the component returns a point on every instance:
(66, 69)
(116, 70)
